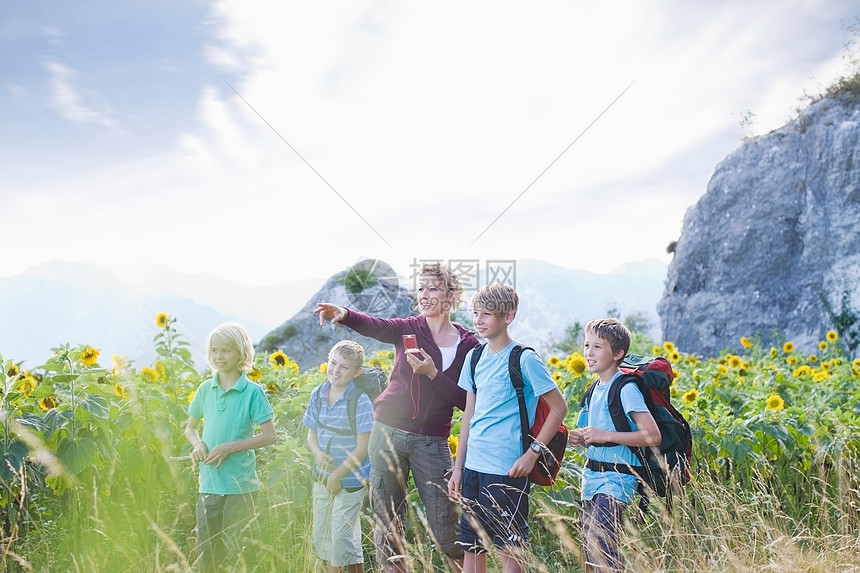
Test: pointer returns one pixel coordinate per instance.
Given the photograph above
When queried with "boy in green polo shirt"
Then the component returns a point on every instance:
(232, 407)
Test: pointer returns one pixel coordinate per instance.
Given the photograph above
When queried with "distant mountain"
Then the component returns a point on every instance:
(113, 309)
(551, 299)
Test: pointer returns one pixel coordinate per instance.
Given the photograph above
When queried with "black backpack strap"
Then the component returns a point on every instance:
(351, 408)
(476, 355)
(586, 398)
(619, 419)
(616, 410)
(516, 373)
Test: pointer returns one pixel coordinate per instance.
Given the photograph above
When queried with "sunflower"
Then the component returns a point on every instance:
(668, 347)
(674, 356)
(556, 377)
(802, 371)
(690, 396)
(191, 396)
(832, 336)
(791, 360)
(575, 363)
(775, 403)
(161, 319)
(13, 371)
(278, 358)
(254, 375)
(655, 350)
(47, 403)
(788, 347)
(28, 384)
(89, 356)
(149, 374)
(773, 352)
(734, 361)
(554, 361)
(272, 388)
(820, 375)
(119, 363)
(745, 342)
(822, 346)
(120, 391)
(453, 443)
(324, 367)
(813, 358)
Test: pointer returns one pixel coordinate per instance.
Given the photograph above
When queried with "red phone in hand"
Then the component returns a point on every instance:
(410, 343)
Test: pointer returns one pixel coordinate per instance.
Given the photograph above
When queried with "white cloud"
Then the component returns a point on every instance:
(429, 119)
(67, 101)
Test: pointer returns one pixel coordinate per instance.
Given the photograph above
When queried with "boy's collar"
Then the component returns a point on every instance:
(239, 385)
(502, 350)
(614, 376)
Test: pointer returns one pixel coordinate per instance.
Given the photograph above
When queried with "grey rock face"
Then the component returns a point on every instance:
(774, 243)
(307, 343)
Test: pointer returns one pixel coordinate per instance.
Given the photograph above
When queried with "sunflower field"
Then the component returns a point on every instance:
(93, 475)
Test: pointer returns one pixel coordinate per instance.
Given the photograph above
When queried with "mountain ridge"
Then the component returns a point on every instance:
(114, 309)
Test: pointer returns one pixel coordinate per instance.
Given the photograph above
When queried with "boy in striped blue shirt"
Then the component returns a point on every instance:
(340, 456)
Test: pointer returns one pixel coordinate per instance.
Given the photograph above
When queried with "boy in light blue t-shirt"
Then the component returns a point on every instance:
(491, 471)
(606, 493)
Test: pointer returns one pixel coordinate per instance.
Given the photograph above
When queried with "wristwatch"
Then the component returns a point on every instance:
(536, 447)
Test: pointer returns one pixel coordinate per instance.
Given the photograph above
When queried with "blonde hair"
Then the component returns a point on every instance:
(612, 331)
(233, 334)
(497, 299)
(350, 350)
(449, 278)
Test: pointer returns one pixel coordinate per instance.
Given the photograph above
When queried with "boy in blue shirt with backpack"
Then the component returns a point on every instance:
(339, 447)
(606, 489)
(491, 471)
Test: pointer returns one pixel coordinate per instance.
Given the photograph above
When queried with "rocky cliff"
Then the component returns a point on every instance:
(774, 243)
(370, 287)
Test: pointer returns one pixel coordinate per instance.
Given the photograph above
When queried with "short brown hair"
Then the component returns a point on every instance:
(612, 331)
(350, 350)
(497, 299)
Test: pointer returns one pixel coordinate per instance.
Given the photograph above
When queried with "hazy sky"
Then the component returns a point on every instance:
(271, 141)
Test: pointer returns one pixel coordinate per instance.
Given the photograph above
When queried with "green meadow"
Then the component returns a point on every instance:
(92, 478)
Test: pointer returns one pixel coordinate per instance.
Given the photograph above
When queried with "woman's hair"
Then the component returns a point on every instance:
(349, 349)
(612, 331)
(235, 336)
(497, 299)
(446, 276)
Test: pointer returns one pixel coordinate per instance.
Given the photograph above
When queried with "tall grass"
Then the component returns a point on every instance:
(88, 483)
